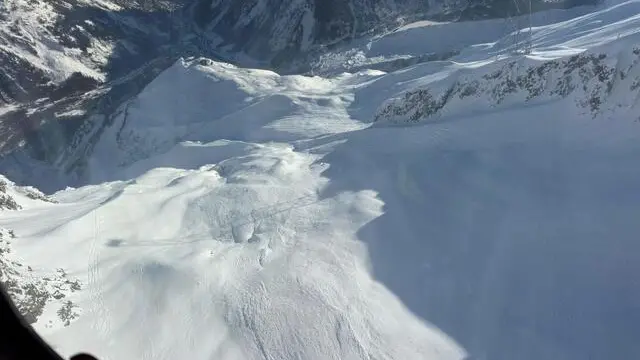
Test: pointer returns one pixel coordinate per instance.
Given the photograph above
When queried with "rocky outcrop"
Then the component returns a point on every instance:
(31, 293)
(66, 64)
(32, 290)
(281, 30)
(590, 80)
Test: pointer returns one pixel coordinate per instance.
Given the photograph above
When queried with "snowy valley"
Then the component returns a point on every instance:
(433, 192)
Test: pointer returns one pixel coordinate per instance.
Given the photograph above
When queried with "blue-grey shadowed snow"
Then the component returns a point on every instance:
(519, 245)
(115, 243)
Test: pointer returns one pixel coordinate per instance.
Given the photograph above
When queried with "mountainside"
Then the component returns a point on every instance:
(281, 30)
(448, 190)
(284, 28)
(597, 86)
(42, 43)
(33, 290)
(66, 65)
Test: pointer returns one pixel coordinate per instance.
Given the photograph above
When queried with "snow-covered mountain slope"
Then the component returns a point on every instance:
(280, 30)
(32, 56)
(283, 28)
(240, 214)
(42, 43)
(64, 63)
(428, 41)
(33, 290)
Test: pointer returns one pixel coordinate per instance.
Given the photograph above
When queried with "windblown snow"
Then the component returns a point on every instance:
(482, 207)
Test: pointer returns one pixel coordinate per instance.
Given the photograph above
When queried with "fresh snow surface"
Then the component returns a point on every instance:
(240, 214)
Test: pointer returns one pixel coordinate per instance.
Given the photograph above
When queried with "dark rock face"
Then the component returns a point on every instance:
(275, 31)
(279, 30)
(58, 113)
(586, 77)
(20, 81)
(75, 84)
(50, 100)
(136, 32)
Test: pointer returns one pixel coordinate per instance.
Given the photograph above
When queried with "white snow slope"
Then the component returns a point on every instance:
(239, 214)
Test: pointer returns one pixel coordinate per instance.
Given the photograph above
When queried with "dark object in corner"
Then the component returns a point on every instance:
(19, 341)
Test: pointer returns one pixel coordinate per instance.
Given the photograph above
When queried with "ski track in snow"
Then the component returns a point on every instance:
(239, 214)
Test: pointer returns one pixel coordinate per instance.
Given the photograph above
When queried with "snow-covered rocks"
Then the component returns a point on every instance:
(39, 294)
(595, 83)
